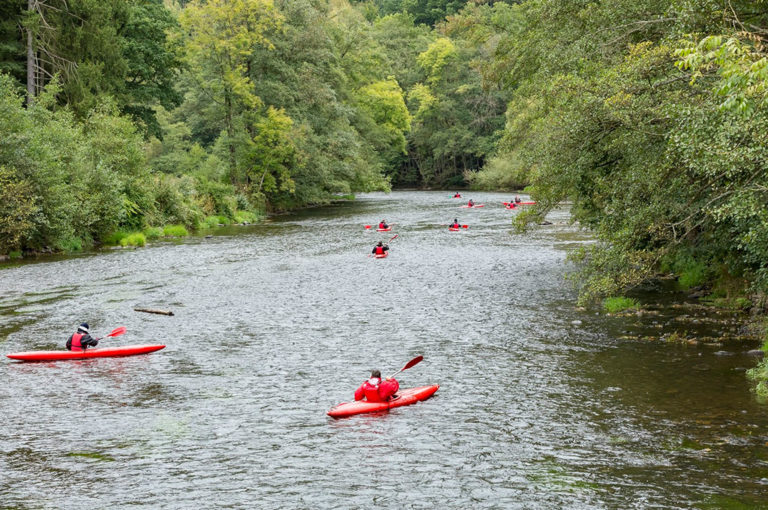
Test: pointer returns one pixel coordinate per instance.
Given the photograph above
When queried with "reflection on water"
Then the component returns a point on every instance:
(541, 405)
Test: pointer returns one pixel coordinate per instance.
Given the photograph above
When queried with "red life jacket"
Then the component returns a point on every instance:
(76, 345)
(379, 250)
(383, 225)
(371, 390)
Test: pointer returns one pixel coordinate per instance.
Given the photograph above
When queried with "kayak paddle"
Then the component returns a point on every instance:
(414, 361)
(115, 332)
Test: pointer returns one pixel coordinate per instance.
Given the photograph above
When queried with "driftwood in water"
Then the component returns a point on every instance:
(152, 310)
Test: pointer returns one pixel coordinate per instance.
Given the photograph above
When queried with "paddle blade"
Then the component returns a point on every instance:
(117, 331)
(367, 226)
(414, 361)
(465, 226)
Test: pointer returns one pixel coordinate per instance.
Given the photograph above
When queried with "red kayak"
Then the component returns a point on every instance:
(110, 352)
(527, 203)
(454, 229)
(472, 206)
(384, 229)
(381, 255)
(401, 398)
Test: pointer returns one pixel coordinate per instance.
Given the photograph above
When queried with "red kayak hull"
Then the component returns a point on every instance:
(381, 256)
(402, 398)
(472, 206)
(384, 229)
(110, 352)
(454, 229)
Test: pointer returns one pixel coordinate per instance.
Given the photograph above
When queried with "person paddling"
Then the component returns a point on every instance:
(455, 224)
(471, 203)
(517, 199)
(380, 248)
(376, 390)
(457, 195)
(81, 340)
(383, 224)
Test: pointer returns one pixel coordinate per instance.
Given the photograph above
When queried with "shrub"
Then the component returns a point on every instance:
(134, 239)
(153, 232)
(619, 304)
(14, 255)
(175, 231)
(213, 221)
(115, 238)
(246, 217)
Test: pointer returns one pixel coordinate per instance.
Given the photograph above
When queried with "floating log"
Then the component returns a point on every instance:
(152, 310)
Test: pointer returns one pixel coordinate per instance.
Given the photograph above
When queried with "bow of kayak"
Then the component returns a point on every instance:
(110, 352)
(402, 398)
(381, 255)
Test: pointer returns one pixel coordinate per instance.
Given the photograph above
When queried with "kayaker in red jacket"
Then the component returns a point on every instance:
(455, 224)
(471, 203)
(81, 340)
(380, 248)
(376, 390)
(383, 224)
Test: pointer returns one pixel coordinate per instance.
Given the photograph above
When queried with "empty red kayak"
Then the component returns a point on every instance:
(402, 398)
(381, 255)
(384, 229)
(110, 352)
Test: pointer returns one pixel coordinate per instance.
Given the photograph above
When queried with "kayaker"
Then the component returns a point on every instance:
(518, 199)
(457, 195)
(376, 390)
(383, 224)
(81, 340)
(380, 248)
(471, 203)
(511, 205)
(455, 224)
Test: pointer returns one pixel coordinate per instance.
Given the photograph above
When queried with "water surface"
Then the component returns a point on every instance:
(541, 405)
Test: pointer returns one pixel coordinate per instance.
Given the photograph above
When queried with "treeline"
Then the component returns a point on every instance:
(650, 116)
(216, 110)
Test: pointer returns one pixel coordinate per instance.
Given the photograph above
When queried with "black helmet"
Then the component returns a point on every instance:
(83, 327)
(380, 243)
(375, 373)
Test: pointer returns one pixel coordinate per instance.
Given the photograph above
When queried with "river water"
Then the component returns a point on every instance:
(541, 405)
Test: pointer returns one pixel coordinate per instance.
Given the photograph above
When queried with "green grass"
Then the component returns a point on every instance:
(214, 221)
(620, 304)
(246, 217)
(739, 303)
(14, 255)
(70, 245)
(152, 232)
(175, 231)
(133, 239)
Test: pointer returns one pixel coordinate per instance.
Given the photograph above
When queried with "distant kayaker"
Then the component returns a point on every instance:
(517, 199)
(383, 224)
(471, 203)
(457, 195)
(380, 248)
(376, 390)
(81, 340)
(455, 224)
(511, 205)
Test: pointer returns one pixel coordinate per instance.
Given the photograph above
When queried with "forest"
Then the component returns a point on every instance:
(123, 120)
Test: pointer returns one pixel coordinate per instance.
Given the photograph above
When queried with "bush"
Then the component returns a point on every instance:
(246, 217)
(134, 239)
(114, 238)
(15, 255)
(153, 232)
(175, 231)
(620, 304)
(214, 221)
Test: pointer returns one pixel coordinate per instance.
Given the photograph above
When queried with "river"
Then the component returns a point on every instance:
(541, 405)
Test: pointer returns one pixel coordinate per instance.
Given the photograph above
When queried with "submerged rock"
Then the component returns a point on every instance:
(755, 352)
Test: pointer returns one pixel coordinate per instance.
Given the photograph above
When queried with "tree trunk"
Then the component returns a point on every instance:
(30, 61)
(231, 137)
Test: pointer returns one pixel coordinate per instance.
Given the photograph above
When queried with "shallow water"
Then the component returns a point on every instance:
(277, 322)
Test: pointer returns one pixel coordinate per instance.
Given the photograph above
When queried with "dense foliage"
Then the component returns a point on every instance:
(649, 116)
